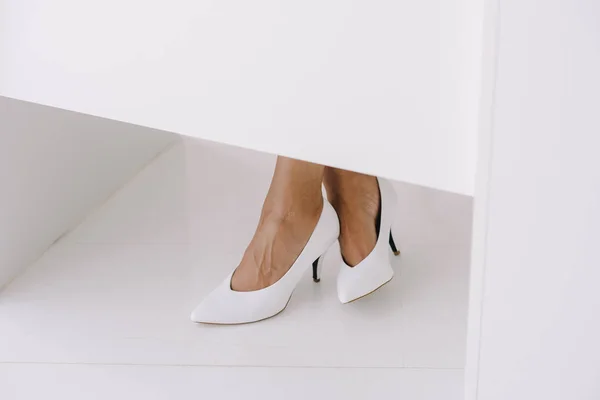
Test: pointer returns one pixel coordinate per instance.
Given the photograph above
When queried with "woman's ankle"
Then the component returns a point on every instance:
(356, 199)
(292, 210)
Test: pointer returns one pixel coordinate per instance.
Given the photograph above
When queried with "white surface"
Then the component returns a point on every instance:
(384, 87)
(55, 166)
(541, 303)
(119, 290)
(143, 382)
(481, 198)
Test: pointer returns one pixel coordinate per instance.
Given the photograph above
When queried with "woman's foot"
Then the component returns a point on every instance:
(355, 198)
(290, 213)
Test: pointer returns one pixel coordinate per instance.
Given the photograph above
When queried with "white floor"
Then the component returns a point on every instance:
(104, 313)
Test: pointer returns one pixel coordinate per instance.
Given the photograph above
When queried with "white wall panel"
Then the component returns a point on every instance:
(55, 166)
(541, 304)
(384, 87)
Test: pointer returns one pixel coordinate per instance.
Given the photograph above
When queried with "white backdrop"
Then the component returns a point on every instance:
(383, 87)
(55, 166)
(537, 281)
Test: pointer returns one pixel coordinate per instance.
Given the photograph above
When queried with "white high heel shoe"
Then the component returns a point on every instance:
(227, 306)
(375, 270)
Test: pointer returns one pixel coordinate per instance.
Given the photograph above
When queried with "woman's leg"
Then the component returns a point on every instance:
(355, 198)
(289, 215)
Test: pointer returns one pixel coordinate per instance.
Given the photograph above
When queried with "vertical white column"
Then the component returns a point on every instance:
(489, 62)
(539, 258)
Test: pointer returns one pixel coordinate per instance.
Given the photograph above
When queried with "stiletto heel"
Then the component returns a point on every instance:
(317, 266)
(393, 245)
(227, 306)
(376, 270)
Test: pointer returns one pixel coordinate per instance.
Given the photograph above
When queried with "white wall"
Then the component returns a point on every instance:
(481, 198)
(540, 324)
(55, 166)
(383, 87)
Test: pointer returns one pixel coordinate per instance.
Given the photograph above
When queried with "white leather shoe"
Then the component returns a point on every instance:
(226, 306)
(375, 270)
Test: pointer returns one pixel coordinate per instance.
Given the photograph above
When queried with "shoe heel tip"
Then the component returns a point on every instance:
(396, 253)
(316, 280)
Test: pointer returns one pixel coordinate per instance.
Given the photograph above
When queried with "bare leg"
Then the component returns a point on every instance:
(290, 213)
(355, 198)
